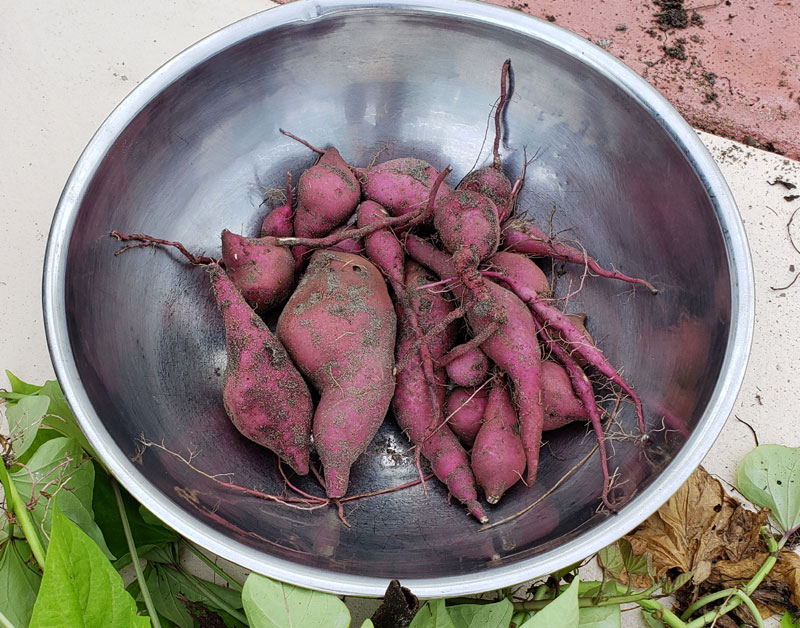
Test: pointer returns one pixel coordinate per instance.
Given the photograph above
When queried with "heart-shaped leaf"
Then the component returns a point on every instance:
(769, 476)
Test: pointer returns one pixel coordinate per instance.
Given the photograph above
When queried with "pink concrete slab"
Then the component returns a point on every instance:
(731, 67)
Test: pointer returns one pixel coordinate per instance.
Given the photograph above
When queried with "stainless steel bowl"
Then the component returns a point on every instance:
(138, 344)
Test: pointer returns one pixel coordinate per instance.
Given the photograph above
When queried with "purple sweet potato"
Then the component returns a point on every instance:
(400, 185)
(265, 396)
(521, 268)
(262, 271)
(469, 369)
(385, 251)
(561, 406)
(498, 457)
(339, 327)
(465, 408)
(279, 222)
(327, 195)
(416, 414)
(557, 322)
(512, 346)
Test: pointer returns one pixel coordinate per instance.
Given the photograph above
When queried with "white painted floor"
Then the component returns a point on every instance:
(66, 65)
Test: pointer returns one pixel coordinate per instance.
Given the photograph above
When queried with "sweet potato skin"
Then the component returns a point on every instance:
(264, 395)
(339, 327)
(401, 185)
(561, 405)
(412, 406)
(470, 369)
(465, 408)
(498, 457)
(327, 195)
(261, 270)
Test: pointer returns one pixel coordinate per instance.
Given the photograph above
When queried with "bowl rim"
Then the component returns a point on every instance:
(670, 479)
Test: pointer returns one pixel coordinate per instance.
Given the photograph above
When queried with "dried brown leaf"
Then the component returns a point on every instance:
(698, 526)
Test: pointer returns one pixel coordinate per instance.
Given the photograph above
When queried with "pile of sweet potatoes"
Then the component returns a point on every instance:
(396, 290)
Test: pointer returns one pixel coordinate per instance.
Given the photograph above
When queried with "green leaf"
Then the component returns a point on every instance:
(769, 476)
(651, 621)
(165, 591)
(610, 558)
(23, 421)
(19, 584)
(146, 537)
(59, 416)
(272, 604)
(202, 593)
(497, 615)
(57, 468)
(368, 624)
(18, 386)
(432, 615)
(43, 434)
(561, 612)
(600, 616)
(787, 621)
(618, 559)
(80, 588)
(670, 586)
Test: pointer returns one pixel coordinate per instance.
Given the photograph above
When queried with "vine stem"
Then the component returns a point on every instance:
(5, 622)
(740, 595)
(212, 565)
(148, 601)
(15, 504)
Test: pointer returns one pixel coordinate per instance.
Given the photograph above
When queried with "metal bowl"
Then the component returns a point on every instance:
(138, 345)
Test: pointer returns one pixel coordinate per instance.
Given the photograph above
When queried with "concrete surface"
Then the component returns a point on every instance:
(67, 64)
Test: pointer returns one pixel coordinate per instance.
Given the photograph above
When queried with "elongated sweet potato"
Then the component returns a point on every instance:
(498, 457)
(512, 345)
(264, 395)
(339, 326)
(420, 417)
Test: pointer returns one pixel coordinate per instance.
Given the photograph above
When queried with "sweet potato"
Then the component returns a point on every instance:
(561, 406)
(469, 369)
(522, 236)
(327, 195)
(521, 269)
(464, 409)
(279, 222)
(557, 322)
(262, 271)
(417, 415)
(339, 326)
(498, 457)
(512, 345)
(264, 395)
(400, 185)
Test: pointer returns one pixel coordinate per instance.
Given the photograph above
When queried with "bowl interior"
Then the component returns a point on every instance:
(202, 154)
